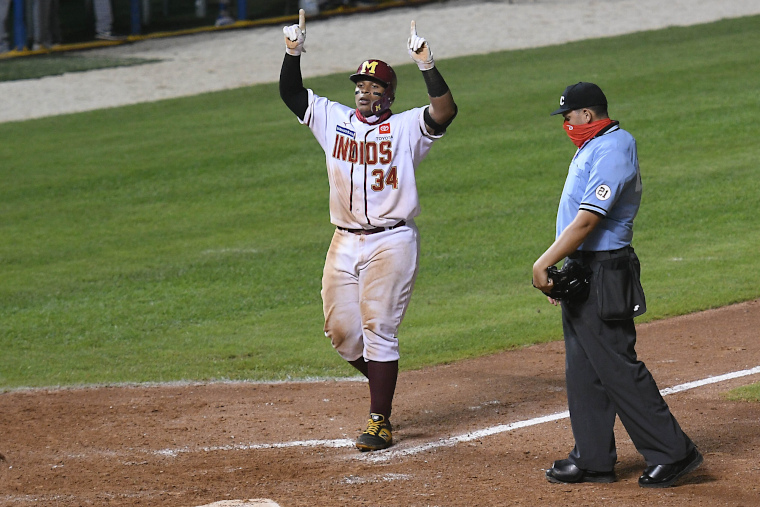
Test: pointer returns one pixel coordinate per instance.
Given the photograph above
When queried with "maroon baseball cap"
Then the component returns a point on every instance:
(580, 95)
(379, 71)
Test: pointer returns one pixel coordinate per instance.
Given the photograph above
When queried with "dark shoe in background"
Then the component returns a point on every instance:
(564, 471)
(663, 476)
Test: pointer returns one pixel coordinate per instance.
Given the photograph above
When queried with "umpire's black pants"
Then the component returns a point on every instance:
(605, 378)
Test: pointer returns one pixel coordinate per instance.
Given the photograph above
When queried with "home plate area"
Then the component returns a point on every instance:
(254, 502)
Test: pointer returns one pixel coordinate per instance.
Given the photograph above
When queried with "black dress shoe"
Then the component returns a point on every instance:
(663, 476)
(564, 471)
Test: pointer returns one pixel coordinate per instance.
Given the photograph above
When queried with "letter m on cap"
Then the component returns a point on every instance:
(368, 67)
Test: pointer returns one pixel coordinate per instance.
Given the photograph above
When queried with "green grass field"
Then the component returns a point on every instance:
(184, 239)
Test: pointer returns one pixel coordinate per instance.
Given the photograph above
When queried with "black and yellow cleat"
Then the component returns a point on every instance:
(378, 434)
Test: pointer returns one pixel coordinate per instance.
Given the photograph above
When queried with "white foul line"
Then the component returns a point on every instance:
(343, 442)
(446, 442)
(709, 380)
(467, 437)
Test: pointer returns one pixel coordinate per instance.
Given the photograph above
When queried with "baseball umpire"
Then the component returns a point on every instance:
(371, 155)
(594, 229)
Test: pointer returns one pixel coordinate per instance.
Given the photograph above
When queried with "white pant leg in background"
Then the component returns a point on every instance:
(103, 16)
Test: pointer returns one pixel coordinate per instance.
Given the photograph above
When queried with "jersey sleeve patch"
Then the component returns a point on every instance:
(603, 192)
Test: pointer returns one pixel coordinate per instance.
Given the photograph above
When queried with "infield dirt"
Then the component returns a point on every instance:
(196, 444)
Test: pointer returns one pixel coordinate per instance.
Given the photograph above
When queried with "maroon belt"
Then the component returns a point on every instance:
(373, 231)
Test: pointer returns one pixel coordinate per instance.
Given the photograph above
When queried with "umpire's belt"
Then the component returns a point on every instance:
(588, 256)
(373, 231)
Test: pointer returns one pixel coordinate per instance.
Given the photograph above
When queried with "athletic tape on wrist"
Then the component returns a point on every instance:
(436, 86)
(423, 66)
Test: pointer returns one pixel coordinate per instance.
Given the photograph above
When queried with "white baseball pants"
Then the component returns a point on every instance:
(366, 288)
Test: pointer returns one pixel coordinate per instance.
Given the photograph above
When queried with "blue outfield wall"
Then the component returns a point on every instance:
(19, 24)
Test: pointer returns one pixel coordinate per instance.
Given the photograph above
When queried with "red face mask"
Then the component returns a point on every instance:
(579, 134)
(372, 120)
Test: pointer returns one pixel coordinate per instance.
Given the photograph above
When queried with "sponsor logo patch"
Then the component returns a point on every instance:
(385, 128)
(343, 130)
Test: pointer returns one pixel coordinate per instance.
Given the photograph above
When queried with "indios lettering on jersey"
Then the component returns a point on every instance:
(359, 152)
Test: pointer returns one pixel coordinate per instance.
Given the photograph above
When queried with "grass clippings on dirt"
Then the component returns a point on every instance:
(35, 67)
(745, 393)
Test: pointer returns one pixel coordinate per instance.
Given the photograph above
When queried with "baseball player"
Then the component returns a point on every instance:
(371, 154)
(604, 377)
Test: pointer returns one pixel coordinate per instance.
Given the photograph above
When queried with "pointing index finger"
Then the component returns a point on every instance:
(302, 20)
(414, 29)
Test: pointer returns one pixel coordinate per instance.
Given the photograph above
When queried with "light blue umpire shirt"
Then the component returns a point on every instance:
(604, 178)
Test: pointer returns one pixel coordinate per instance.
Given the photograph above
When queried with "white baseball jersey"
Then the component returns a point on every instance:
(371, 168)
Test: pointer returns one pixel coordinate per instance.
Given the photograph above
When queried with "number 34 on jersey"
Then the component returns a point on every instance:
(366, 154)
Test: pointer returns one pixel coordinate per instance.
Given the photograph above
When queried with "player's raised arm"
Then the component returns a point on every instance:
(292, 90)
(442, 108)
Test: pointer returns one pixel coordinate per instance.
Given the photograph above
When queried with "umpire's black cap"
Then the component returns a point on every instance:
(580, 95)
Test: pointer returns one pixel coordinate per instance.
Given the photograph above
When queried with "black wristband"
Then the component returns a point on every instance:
(436, 86)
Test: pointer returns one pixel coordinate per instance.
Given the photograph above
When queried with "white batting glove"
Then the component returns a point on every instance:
(420, 50)
(295, 35)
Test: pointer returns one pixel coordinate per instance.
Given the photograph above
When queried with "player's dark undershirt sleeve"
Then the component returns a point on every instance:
(292, 90)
